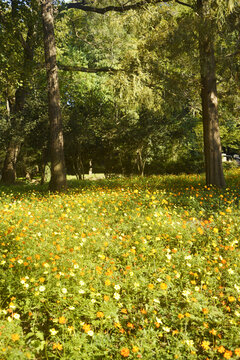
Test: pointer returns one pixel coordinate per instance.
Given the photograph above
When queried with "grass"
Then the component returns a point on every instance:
(121, 268)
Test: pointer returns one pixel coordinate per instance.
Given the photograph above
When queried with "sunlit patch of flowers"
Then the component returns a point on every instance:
(127, 268)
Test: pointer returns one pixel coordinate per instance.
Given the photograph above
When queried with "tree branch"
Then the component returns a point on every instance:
(87, 70)
(184, 4)
(120, 9)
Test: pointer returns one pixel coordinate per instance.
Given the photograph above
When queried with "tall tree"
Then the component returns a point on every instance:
(58, 169)
(212, 143)
(15, 106)
(211, 134)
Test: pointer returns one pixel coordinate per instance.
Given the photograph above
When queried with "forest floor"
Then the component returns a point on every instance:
(122, 268)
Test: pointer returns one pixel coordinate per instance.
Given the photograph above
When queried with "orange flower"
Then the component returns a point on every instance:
(106, 297)
(150, 286)
(237, 351)
(130, 325)
(124, 311)
(163, 286)
(213, 331)
(62, 320)
(98, 269)
(227, 354)
(57, 346)
(221, 349)
(100, 314)
(205, 311)
(125, 352)
(15, 337)
(86, 328)
(180, 316)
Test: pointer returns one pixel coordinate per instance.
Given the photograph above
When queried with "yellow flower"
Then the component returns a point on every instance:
(86, 328)
(151, 286)
(62, 320)
(205, 345)
(135, 349)
(15, 337)
(163, 286)
(227, 354)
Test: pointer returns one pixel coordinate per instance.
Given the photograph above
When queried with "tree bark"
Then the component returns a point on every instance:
(14, 144)
(211, 134)
(140, 162)
(58, 169)
(9, 167)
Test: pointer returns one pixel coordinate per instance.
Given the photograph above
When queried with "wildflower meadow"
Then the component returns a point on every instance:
(129, 268)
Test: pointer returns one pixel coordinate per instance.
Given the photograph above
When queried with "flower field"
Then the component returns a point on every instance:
(138, 268)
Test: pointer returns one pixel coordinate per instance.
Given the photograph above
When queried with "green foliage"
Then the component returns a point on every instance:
(142, 118)
(136, 112)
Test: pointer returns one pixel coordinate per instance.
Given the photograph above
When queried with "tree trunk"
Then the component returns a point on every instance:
(140, 162)
(90, 168)
(58, 170)
(212, 142)
(14, 145)
(9, 167)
